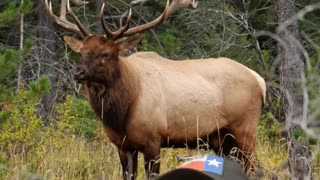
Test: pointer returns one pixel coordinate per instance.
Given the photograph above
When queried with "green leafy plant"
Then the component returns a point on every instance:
(76, 115)
(270, 128)
(21, 126)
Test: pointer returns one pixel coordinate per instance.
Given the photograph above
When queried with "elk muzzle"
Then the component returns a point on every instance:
(79, 73)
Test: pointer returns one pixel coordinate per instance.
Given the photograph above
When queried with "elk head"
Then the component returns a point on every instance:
(99, 57)
(100, 53)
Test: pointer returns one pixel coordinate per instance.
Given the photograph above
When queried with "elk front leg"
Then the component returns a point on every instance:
(129, 163)
(152, 161)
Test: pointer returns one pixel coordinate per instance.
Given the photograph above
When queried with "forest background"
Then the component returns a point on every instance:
(48, 131)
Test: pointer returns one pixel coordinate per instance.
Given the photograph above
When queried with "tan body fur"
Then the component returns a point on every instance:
(173, 103)
(193, 96)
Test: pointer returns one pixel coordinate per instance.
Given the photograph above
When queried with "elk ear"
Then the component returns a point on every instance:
(128, 44)
(73, 43)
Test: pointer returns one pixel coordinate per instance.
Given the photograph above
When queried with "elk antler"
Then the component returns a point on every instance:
(77, 28)
(125, 31)
(117, 34)
(180, 4)
(174, 6)
(64, 4)
(79, 2)
(147, 26)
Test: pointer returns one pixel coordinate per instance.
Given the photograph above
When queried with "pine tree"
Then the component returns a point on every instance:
(10, 55)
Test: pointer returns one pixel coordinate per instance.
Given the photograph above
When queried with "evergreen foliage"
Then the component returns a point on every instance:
(10, 56)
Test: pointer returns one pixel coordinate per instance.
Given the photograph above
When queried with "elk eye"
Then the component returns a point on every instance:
(106, 55)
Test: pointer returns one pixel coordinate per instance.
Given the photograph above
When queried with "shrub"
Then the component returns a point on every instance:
(269, 127)
(76, 116)
(21, 126)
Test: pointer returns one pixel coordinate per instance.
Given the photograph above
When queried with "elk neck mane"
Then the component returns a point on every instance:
(112, 100)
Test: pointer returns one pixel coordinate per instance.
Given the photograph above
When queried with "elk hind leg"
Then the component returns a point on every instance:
(222, 142)
(245, 138)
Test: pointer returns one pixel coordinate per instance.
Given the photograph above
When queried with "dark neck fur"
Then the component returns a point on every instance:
(116, 97)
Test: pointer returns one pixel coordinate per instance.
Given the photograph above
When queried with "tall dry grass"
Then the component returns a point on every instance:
(79, 158)
(68, 149)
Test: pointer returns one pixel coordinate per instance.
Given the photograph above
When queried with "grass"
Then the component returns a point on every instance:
(72, 149)
(79, 158)
(272, 156)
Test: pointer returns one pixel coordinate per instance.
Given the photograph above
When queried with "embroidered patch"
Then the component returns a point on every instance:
(214, 165)
(211, 164)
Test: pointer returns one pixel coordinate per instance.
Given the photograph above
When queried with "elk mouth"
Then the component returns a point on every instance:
(80, 78)
(80, 74)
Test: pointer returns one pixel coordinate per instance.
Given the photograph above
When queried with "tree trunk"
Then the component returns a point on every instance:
(46, 48)
(19, 76)
(292, 77)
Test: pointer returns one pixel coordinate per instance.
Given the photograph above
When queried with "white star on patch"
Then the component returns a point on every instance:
(214, 162)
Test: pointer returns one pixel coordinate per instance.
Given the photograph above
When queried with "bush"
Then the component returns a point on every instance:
(270, 128)
(76, 116)
(21, 126)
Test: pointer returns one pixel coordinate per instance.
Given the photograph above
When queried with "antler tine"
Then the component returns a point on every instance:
(174, 6)
(75, 18)
(180, 4)
(106, 29)
(62, 21)
(194, 4)
(63, 10)
(118, 33)
(48, 7)
(79, 2)
(147, 26)
(123, 29)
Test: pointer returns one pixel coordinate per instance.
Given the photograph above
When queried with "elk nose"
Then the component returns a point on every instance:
(79, 70)
(79, 73)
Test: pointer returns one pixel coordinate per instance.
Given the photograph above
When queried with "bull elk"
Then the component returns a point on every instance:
(147, 102)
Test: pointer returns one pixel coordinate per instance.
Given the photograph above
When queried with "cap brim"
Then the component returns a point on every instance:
(187, 174)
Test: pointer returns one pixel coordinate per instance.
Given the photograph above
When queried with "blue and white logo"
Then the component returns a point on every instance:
(214, 165)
